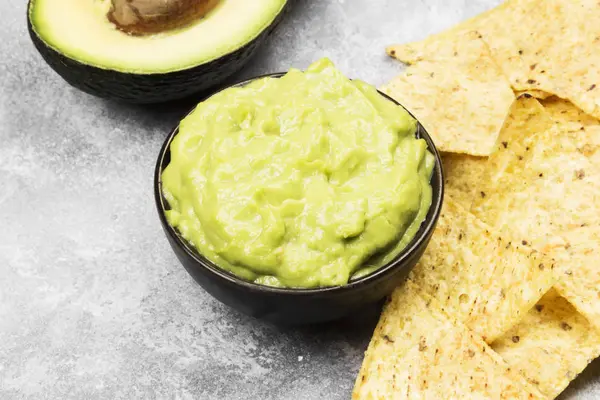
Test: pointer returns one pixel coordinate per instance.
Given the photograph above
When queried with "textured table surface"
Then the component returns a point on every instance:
(93, 304)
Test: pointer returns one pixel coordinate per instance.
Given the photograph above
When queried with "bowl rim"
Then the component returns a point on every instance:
(427, 226)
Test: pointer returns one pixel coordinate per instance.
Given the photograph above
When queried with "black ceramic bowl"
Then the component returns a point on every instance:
(300, 306)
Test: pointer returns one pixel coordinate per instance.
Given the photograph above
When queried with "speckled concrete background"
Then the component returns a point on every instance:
(93, 304)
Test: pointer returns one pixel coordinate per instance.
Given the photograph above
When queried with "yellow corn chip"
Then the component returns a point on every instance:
(462, 173)
(548, 46)
(579, 279)
(459, 366)
(558, 45)
(406, 318)
(493, 28)
(417, 352)
(542, 180)
(460, 96)
(551, 345)
(411, 53)
(569, 118)
(479, 277)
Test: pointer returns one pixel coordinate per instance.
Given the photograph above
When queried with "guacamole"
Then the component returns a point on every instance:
(301, 181)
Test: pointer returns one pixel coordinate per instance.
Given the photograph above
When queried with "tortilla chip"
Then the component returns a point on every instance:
(542, 180)
(569, 118)
(479, 277)
(551, 345)
(405, 318)
(417, 352)
(492, 28)
(559, 45)
(411, 53)
(462, 173)
(460, 96)
(461, 365)
(579, 279)
(548, 46)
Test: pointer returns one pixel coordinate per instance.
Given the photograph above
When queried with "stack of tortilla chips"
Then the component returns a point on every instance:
(505, 304)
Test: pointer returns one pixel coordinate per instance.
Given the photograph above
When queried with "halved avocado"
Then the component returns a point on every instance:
(149, 51)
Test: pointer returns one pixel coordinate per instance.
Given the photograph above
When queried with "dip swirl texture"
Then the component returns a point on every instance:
(302, 181)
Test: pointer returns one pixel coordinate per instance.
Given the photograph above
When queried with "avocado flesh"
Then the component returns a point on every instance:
(80, 30)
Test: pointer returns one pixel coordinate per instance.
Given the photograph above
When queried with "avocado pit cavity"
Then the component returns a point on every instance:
(143, 17)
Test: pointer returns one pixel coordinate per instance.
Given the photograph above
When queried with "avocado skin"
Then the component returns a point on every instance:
(150, 88)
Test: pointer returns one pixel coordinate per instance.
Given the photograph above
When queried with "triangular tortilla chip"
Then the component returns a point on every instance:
(569, 118)
(411, 53)
(542, 180)
(462, 174)
(418, 352)
(579, 279)
(401, 326)
(572, 248)
(492, 28)
(460, 96)
(479, 277)
(557, 41)
(472, 180)
(551, 345)
(549, 46)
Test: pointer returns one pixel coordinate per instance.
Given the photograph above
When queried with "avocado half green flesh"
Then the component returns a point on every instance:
(78, 41)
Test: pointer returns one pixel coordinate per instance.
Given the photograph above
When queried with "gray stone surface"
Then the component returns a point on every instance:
(93, 304)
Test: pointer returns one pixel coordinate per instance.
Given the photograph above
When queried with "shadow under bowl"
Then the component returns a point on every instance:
(291, 306)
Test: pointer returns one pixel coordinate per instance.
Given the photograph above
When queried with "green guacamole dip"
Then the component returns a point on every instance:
(303, 181)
